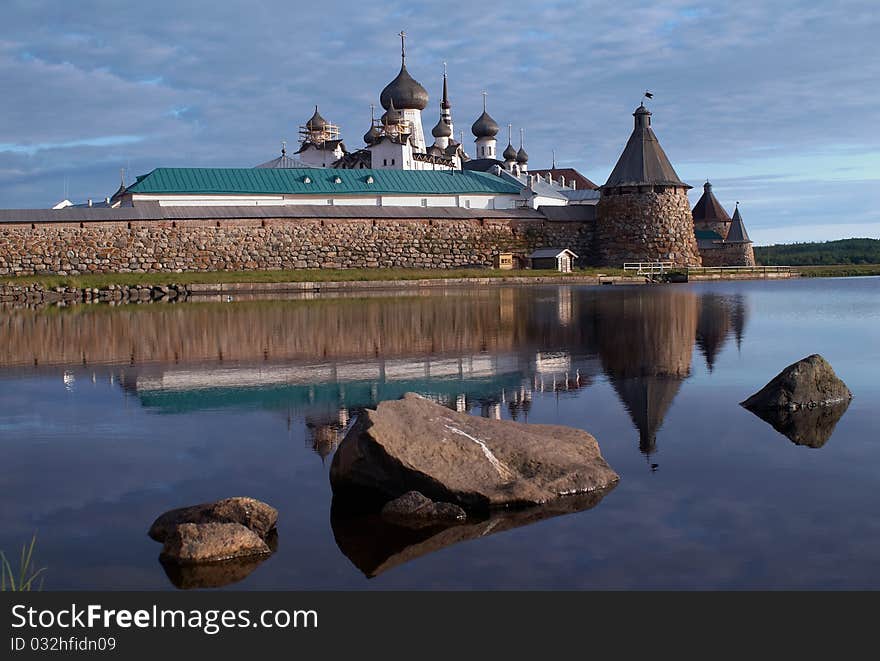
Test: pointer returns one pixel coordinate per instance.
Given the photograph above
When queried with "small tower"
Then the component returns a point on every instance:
(485, 129)
(738, 239)
(509, 152)
(406, 95)
(643, 213)
(320, 144)
(522, 157)
(709, 215)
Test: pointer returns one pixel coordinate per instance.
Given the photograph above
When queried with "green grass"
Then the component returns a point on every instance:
(837, 271)
(23, 579)
(99, 281)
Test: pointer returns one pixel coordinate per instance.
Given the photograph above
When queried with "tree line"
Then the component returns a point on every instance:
(843, 251)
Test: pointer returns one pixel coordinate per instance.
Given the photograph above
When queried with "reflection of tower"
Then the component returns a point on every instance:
(645, 345)
(712, 326)
(325, 433)
(739, 313)
(491, 410)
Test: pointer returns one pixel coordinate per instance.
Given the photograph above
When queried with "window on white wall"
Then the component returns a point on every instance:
(467, 204)
(424, 201)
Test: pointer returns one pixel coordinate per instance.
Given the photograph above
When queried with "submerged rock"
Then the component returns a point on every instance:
(192, 543)
(476, 463)
(415, 509)
(249, 512)
(806, 384)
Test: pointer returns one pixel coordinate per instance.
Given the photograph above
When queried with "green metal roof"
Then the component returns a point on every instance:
(256, 181)
(707, 235)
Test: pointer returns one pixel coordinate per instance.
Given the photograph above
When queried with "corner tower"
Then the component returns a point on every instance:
(643, 213)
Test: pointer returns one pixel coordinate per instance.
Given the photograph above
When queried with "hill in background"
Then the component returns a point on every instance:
(843, 251)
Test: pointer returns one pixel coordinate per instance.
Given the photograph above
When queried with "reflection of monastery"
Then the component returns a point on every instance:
(641, 213)
(492, 351)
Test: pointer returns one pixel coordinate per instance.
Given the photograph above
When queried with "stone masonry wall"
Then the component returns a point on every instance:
(728, 254)
(646, 227)
(281, 243)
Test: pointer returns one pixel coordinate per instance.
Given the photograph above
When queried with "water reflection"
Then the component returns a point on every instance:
(375, 545)
(320, 361)
(809, 427)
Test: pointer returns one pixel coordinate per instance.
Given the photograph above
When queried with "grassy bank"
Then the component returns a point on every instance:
(100, 281)
(837, 271)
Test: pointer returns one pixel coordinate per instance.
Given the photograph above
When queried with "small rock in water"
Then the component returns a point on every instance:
(249, 512)
(192, 543)
(804, 402)
(215, 532)
(806, 384)
(414, 506)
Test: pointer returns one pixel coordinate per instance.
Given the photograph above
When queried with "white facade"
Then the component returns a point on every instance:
(466, 201)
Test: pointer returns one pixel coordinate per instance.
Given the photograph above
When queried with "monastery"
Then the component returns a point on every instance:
(399, 182)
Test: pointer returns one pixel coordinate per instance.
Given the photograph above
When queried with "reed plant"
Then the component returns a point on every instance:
(24, 579)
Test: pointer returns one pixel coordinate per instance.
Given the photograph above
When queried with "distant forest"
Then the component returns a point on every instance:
(844, 251)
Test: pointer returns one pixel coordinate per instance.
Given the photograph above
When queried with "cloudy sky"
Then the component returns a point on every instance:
(776, 102)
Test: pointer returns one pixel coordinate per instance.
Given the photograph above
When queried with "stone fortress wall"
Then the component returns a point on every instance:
(232, 244)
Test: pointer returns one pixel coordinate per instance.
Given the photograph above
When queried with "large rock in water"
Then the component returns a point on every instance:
(413, 444)
(806, 384)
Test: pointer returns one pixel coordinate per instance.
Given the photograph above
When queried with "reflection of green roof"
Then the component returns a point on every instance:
(317, 181)
(322, 396)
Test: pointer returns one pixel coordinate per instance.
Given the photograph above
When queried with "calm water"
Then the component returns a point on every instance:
(110, 416)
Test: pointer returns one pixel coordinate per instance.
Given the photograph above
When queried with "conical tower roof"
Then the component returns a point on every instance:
(708, 208)
(737, 233)
(643, 161)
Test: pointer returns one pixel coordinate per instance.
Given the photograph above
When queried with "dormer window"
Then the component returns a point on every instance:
(307, 180)
(370, 179)
(337, 179)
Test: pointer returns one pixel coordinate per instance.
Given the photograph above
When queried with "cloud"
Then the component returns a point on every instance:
(740, 88)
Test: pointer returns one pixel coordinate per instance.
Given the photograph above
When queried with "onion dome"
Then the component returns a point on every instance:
(485, 126)
(442, 130)
(434, 150)
(316, 123)
(522, 156)
(509, 153)
(404, 92)
(372, 135)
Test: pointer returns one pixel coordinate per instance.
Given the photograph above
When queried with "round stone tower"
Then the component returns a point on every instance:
(643, 213)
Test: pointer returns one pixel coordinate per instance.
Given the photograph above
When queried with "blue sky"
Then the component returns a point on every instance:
(775, 102)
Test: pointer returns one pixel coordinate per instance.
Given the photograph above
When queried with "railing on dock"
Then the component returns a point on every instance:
(648, 268)
(720, 270)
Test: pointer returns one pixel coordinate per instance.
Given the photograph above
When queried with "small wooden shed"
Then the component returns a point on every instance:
(556, 259)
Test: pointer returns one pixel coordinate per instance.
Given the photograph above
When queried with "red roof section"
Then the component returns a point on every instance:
(570, 174)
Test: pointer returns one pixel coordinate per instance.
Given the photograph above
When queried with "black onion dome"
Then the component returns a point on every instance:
(372, 135)
(404, 92)
(522, 156)
(509, 153)
(316, 123)
(391, 116)
(485, 126)
(442, 130)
